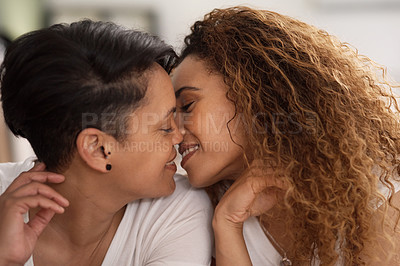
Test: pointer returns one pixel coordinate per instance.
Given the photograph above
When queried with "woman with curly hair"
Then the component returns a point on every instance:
(305, 130)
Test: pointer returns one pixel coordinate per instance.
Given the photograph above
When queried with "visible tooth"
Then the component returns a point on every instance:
(186, 152)
(172, 162)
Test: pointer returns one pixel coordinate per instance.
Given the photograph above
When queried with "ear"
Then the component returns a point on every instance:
(93, 147)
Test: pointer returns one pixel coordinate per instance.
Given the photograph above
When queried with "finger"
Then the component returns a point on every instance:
(279, 183)
(28, 177)
(258, 184)
(38, 167)
(257, 163)
(254, 183)
(264, 201)
(36, 188)
(40, 220)
(41, 177)
(256, 169)
(24, 204)
(265, 177)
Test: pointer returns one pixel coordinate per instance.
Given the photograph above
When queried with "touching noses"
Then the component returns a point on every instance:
(179, 120)
(178, 135)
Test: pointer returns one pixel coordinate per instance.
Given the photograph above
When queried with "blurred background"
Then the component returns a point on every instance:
(372, 26)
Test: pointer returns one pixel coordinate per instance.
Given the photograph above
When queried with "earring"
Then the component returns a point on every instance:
(105, 155)
(108, 166)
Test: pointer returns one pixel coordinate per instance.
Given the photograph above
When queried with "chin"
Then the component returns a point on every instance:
(170, 191)
(170, 188)
(200, 180)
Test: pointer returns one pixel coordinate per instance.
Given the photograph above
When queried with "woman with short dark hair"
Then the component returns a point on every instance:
(97, 105)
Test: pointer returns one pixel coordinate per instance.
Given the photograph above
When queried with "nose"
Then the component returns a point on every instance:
(178, 136)
(179, 120)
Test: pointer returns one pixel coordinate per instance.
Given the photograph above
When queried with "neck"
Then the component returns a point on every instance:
(80, 240)
(85, 224)
(92, 211)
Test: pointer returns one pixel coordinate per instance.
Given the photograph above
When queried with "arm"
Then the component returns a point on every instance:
(230, 247)
(17, 238)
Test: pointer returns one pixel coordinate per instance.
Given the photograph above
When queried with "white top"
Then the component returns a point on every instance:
(174, 230)
(261, 251)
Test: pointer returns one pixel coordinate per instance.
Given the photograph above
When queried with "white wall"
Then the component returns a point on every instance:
(372, 26)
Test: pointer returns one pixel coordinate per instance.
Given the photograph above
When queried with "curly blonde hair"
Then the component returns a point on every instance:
(317, 112)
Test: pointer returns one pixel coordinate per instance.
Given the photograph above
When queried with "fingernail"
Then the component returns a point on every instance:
(65, 202)
(57, 175)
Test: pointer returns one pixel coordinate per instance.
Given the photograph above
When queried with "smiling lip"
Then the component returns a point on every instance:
(170, 165)
(184, 148)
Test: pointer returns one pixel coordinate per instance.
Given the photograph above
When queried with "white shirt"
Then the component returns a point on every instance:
(261, 251)
(174, 230)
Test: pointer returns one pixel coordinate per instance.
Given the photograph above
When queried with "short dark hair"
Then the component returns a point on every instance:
(51, 78)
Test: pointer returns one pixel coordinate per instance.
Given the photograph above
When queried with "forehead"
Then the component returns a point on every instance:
(160, 93)
(190, 70)
(193, 72)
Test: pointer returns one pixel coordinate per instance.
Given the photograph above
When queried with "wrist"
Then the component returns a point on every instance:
(225, 219)
(230, 246)
(225, 224)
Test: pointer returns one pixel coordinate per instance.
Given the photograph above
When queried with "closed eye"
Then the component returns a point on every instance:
(167, 130)
(186, 107)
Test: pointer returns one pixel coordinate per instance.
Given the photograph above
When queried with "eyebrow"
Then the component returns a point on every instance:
(171, 111)
(178, 92)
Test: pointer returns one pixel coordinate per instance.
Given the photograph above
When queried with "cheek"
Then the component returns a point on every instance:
(150, 170)
(214, 130)
(152, 156)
